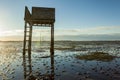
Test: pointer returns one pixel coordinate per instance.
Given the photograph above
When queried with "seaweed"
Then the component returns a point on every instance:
(99, 56)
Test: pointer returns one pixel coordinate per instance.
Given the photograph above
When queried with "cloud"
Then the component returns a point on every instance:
(93, 30)
(115, 36)
(95, 33)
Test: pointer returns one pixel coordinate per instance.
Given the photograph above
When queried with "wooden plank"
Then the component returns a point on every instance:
(27, 15)
(43, 13)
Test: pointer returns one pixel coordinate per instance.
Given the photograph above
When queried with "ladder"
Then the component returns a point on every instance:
(27, 39)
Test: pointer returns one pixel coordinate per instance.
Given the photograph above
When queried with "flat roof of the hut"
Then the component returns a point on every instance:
(40, 15)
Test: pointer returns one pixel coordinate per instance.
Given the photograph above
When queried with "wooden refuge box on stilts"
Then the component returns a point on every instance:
(40, 16)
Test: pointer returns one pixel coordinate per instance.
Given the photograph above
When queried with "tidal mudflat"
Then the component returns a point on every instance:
(73, 60)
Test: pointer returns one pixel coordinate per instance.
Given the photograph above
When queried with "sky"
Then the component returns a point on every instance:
(75, 19)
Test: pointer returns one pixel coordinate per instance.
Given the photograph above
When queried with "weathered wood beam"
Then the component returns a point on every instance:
(30, 40)
(24, 44)
(52, 39)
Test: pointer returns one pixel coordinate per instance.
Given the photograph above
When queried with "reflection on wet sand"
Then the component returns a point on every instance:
(80, 63)
(27, 66)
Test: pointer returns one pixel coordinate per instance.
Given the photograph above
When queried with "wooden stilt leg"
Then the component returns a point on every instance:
(52, 40)
(30, 40)
(24, 44)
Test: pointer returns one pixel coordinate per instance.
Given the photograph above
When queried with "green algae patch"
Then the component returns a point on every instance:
(99, 56)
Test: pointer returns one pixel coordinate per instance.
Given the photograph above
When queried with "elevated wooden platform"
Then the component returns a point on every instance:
(40, 16)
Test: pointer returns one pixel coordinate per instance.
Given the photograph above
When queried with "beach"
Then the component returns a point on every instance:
(66, 65)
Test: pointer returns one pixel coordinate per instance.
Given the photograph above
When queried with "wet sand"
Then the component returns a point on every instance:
(66, 65)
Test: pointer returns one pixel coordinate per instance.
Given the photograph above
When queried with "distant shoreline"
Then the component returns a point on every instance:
(71, 41)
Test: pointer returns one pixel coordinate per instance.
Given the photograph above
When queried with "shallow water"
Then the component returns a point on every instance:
(66, 66)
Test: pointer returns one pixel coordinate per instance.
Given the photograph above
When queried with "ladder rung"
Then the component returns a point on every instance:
(27, 36)
(26, 31)
(27, 27)
(27, 40)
